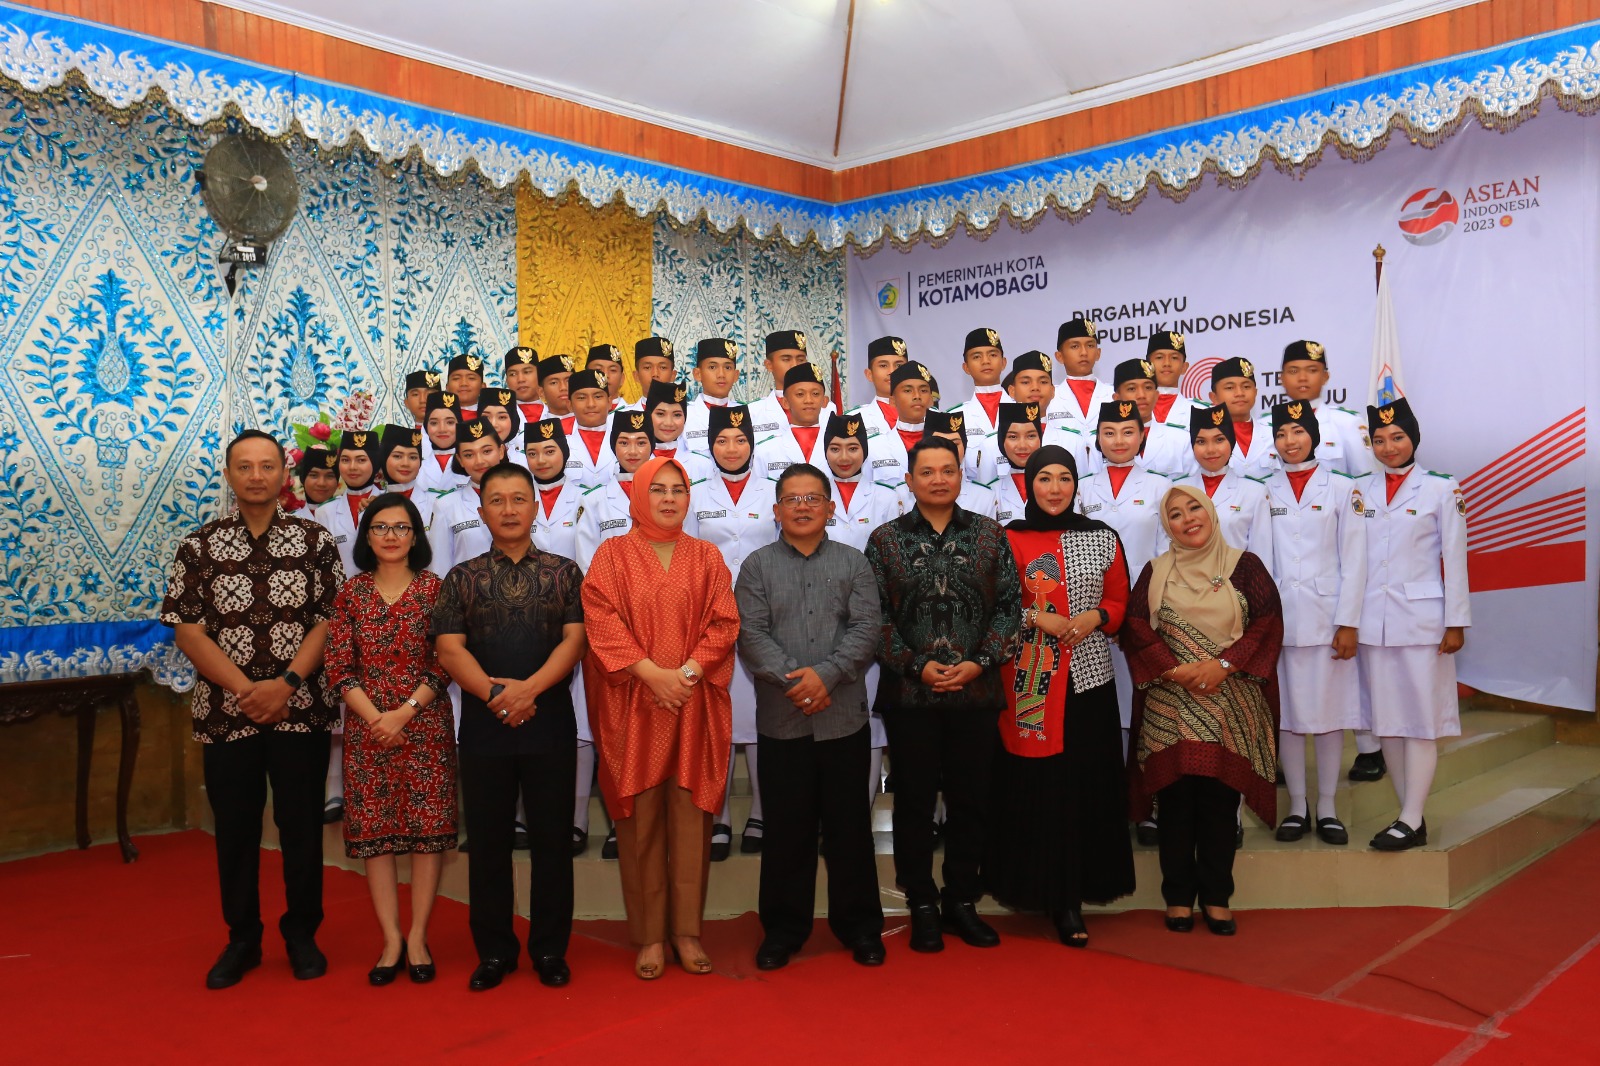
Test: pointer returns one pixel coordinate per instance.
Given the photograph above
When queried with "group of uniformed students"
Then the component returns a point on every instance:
(1371, 574)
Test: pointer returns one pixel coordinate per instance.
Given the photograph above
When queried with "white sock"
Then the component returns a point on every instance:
(1292, 757)
(755, 781)
(1422, 759)
(1330, 758)
(580, 805)
(1394, 755)
(1366, 743)
(875, 776)
(335, 789)
(1124, 747)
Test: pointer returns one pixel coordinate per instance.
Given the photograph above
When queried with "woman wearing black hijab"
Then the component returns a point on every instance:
(1061, 837)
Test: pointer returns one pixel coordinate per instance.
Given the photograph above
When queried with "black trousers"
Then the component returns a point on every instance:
(237, 773)
(1197, 841)
(490, 785)
(805, 784)
(948, 748)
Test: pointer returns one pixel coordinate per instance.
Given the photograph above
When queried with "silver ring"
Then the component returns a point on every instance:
(505, 714)
(1202, 684)
(808, 699)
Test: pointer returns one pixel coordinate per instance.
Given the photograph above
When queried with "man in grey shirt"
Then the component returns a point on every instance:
(809, 628)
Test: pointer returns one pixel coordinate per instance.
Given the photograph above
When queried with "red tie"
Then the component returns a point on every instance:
(627, 488)
(1118, 475)
(567, 422)
(1083, 390)
(1022, 488)
(736, 488)
(847, 491)
(991, 405)
(890, 415)
(1212, 481)
(1392, 483)
(444, 458)
(806, 437)
(592, 439)
(548, 497)
(1244, 431)
(909, 439)
(1298, 479)
(1164, 405)
(531, 411)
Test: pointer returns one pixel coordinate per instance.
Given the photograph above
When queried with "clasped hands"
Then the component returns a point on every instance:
(1198, 678)
(1069, 631)
(515, 704)
(670, 688)
(265, 702)
(942, 678)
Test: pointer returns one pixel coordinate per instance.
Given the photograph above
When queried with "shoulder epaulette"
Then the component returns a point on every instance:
(1352, 477)
(590, 488)
(886, 485)
(1435, 473)
(698, 481)
(1347, 411)
(1262, 480)
(985, 484)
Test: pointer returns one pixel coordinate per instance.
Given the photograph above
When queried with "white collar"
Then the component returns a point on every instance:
(1167, 391)
(712, 401)
(1295, 468)
(1119, 466)
(668, 446)
(986, 390)
(854, 479)
(736, 478)
(401, 486)
(902, 426)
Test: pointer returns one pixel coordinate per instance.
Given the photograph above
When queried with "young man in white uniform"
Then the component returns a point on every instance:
(786, 349)
(799, 439)
(522, 378)
(1233, 385)
(464, 377)
(589, 458)
(716, 368)
(884, 356)
(1166, 356)
(984, 361)
(1076, 406)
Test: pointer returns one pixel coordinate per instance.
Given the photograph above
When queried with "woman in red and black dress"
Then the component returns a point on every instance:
(400, 752)
(1060, 838)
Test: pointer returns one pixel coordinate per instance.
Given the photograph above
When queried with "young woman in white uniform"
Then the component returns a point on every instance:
(733, 509)
(1019, 430)
(437, 475)
(860, 505)
(500, 409)
(1127, 497)
(318, 471)
(1414, 618)
(666, 409)
(1320, 565)
(1243, 514)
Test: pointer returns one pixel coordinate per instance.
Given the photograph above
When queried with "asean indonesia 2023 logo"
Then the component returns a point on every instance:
(1430, 215)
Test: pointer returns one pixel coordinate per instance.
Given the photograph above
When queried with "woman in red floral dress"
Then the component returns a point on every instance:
(400, 752)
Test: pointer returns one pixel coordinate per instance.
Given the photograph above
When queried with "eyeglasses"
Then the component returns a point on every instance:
(808, 500)
(676, 491)
(383, 529)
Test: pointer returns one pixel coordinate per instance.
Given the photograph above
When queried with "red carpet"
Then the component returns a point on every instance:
(109, 959)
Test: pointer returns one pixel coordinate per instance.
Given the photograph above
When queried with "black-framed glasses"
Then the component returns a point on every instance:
(384, 529)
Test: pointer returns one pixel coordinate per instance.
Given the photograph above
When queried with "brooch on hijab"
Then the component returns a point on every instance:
(1216, 582)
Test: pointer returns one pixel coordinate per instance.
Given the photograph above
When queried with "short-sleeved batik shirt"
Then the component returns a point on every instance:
(257, 598)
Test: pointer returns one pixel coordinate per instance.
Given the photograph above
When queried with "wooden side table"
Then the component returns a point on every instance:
(84, 696)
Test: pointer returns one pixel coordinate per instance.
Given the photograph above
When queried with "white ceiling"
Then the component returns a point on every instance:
(765, 73)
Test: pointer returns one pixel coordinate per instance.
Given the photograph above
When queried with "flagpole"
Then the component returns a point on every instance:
(1377, 267)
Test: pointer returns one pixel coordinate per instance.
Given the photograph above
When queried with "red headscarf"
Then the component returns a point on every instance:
(639, 502)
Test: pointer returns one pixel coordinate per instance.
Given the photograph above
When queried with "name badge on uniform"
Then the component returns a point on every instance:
(1234, 507)
(1410, 510)
(1092, 508)
(1316, 507)
(751, 514)
(1279, 512)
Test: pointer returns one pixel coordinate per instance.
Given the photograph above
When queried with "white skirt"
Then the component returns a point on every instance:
(1119, 668)
(742, 690)
(1318, 693)
(1410, 691)
(880, 738)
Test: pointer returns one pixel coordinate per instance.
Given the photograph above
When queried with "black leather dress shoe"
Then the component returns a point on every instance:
(580, 841)
(962, 920)
(379, 976)
(422, 972)
(770, 956)
(519, 838)
(1293, 827)
(1398, 836)
(608, 850)
(1332, 831)
(1368, 766)
(721, 842)
(489, 974)
(1148, 834)
(1219, 926)
(553, 971)
(229, 969)
(1180, 923)
(869, 951)
(332, 811)
(306, 960)
(750, 840)
(926, 935)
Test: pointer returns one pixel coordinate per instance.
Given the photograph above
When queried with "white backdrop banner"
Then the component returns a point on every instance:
(1492, 258)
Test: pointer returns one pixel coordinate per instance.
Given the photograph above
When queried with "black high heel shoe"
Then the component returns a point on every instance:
(379, 976)
(1070, 927)
(422, 972)
(1219, 926)
(1180, 923)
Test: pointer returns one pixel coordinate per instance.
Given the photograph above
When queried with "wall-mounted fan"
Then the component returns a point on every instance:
(249, 188)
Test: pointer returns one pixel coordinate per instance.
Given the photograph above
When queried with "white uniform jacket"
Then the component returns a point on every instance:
(557, 532)
(1135, 512)
(334, 516)
(1407, 602)
(1344, 446)
(774, 451)
(871, 505)
(1065, 409)
(1319, 545)
(736, 529)
(456, 533)
(1009, 504)
(584, 468)
(1244, 514)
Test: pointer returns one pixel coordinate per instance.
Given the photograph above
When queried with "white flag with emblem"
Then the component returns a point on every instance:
(1386, 385)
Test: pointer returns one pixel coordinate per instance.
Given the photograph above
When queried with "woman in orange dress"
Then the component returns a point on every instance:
(662, 623)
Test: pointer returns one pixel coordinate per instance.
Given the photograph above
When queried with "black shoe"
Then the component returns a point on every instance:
(580, 841)
(1332, 831)
(770, 956)
(1070, 928)
(1183, 924)
(926, 935)
(519, 838)
(608, 850)
(489, 974)
(1147, 834)
(1368, 766)
(332, 811)
(379, 976)
(553, 971)
(962, 920)
(1219, 926)
(1294, 827)
(422, 972)
(229, 969)
(1407, 839)
(723, 847)
(750, 840)
(869, 951)
(306, 960)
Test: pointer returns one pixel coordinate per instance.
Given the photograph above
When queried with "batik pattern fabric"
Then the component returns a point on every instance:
(402, 799)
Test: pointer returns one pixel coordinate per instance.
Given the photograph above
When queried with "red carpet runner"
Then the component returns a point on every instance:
(101, 960)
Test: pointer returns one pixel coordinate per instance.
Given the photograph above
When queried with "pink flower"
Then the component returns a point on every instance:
(321, 430)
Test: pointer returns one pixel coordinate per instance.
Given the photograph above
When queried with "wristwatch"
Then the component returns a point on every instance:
(414, 705)
(293, 680)
(1226, 665)
(494, 690)
(688, 673)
